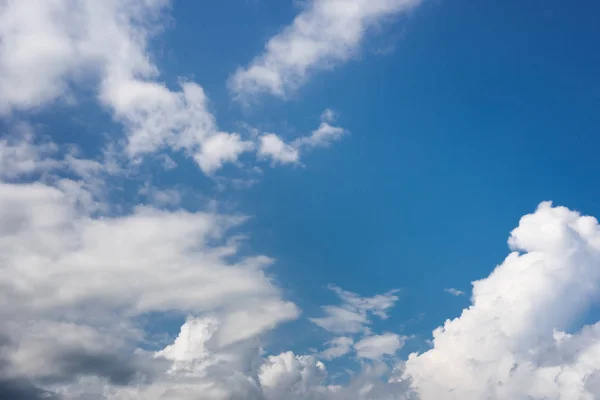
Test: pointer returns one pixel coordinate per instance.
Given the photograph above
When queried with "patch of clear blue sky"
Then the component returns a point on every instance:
(482, 110)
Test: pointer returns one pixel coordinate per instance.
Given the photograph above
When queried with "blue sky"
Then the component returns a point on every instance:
(194, 142)
(480, 112)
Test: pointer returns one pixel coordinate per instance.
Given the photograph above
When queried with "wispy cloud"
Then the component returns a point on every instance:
(454, 292)
(325, 34)
(353, 315)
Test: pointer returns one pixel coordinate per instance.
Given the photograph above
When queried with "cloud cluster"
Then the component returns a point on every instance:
(273, 147)
(74, 287)
(103, 303)
(325, 34)
(51, 49)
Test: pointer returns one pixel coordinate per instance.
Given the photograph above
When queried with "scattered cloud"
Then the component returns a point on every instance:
(22, 154)
(273, 147)
(104, 45)
(79, 283)
(160, 197)
(338, 347)
(454, 292)
(352, 316)
(377, 346)
(324, 135)
(325, 34)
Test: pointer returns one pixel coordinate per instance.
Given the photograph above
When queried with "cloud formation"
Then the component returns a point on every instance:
(454, 292)
(52, 50)
(68, 279)
(83, 288)
(513, 341)
(352, 316)
(273, 147)
(73, 288)
(326, 33)
(377, 346)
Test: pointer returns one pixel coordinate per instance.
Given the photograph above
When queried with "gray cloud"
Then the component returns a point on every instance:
(23, 389)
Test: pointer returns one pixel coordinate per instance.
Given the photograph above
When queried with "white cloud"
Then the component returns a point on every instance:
(275, 148)
(50, 48)
(160, 197)
(288, 376)
(328, 115)
(76, 282)
(338, 347)
(510, 343)
(166, 162)
(73, 285)
(324, 135)
(454, 292)
(47, 46)
(325, 34)
(375, 347)
(59, 265)
(22, 155)
(353, 315)
(104, 45)
(219, 149)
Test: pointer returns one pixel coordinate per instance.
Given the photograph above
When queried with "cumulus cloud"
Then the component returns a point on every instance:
(288, 376)
(512, 342)
(274, 147)
(325, 34)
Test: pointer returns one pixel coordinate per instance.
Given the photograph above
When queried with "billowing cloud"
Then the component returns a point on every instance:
(325, 34)
(512, 342)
